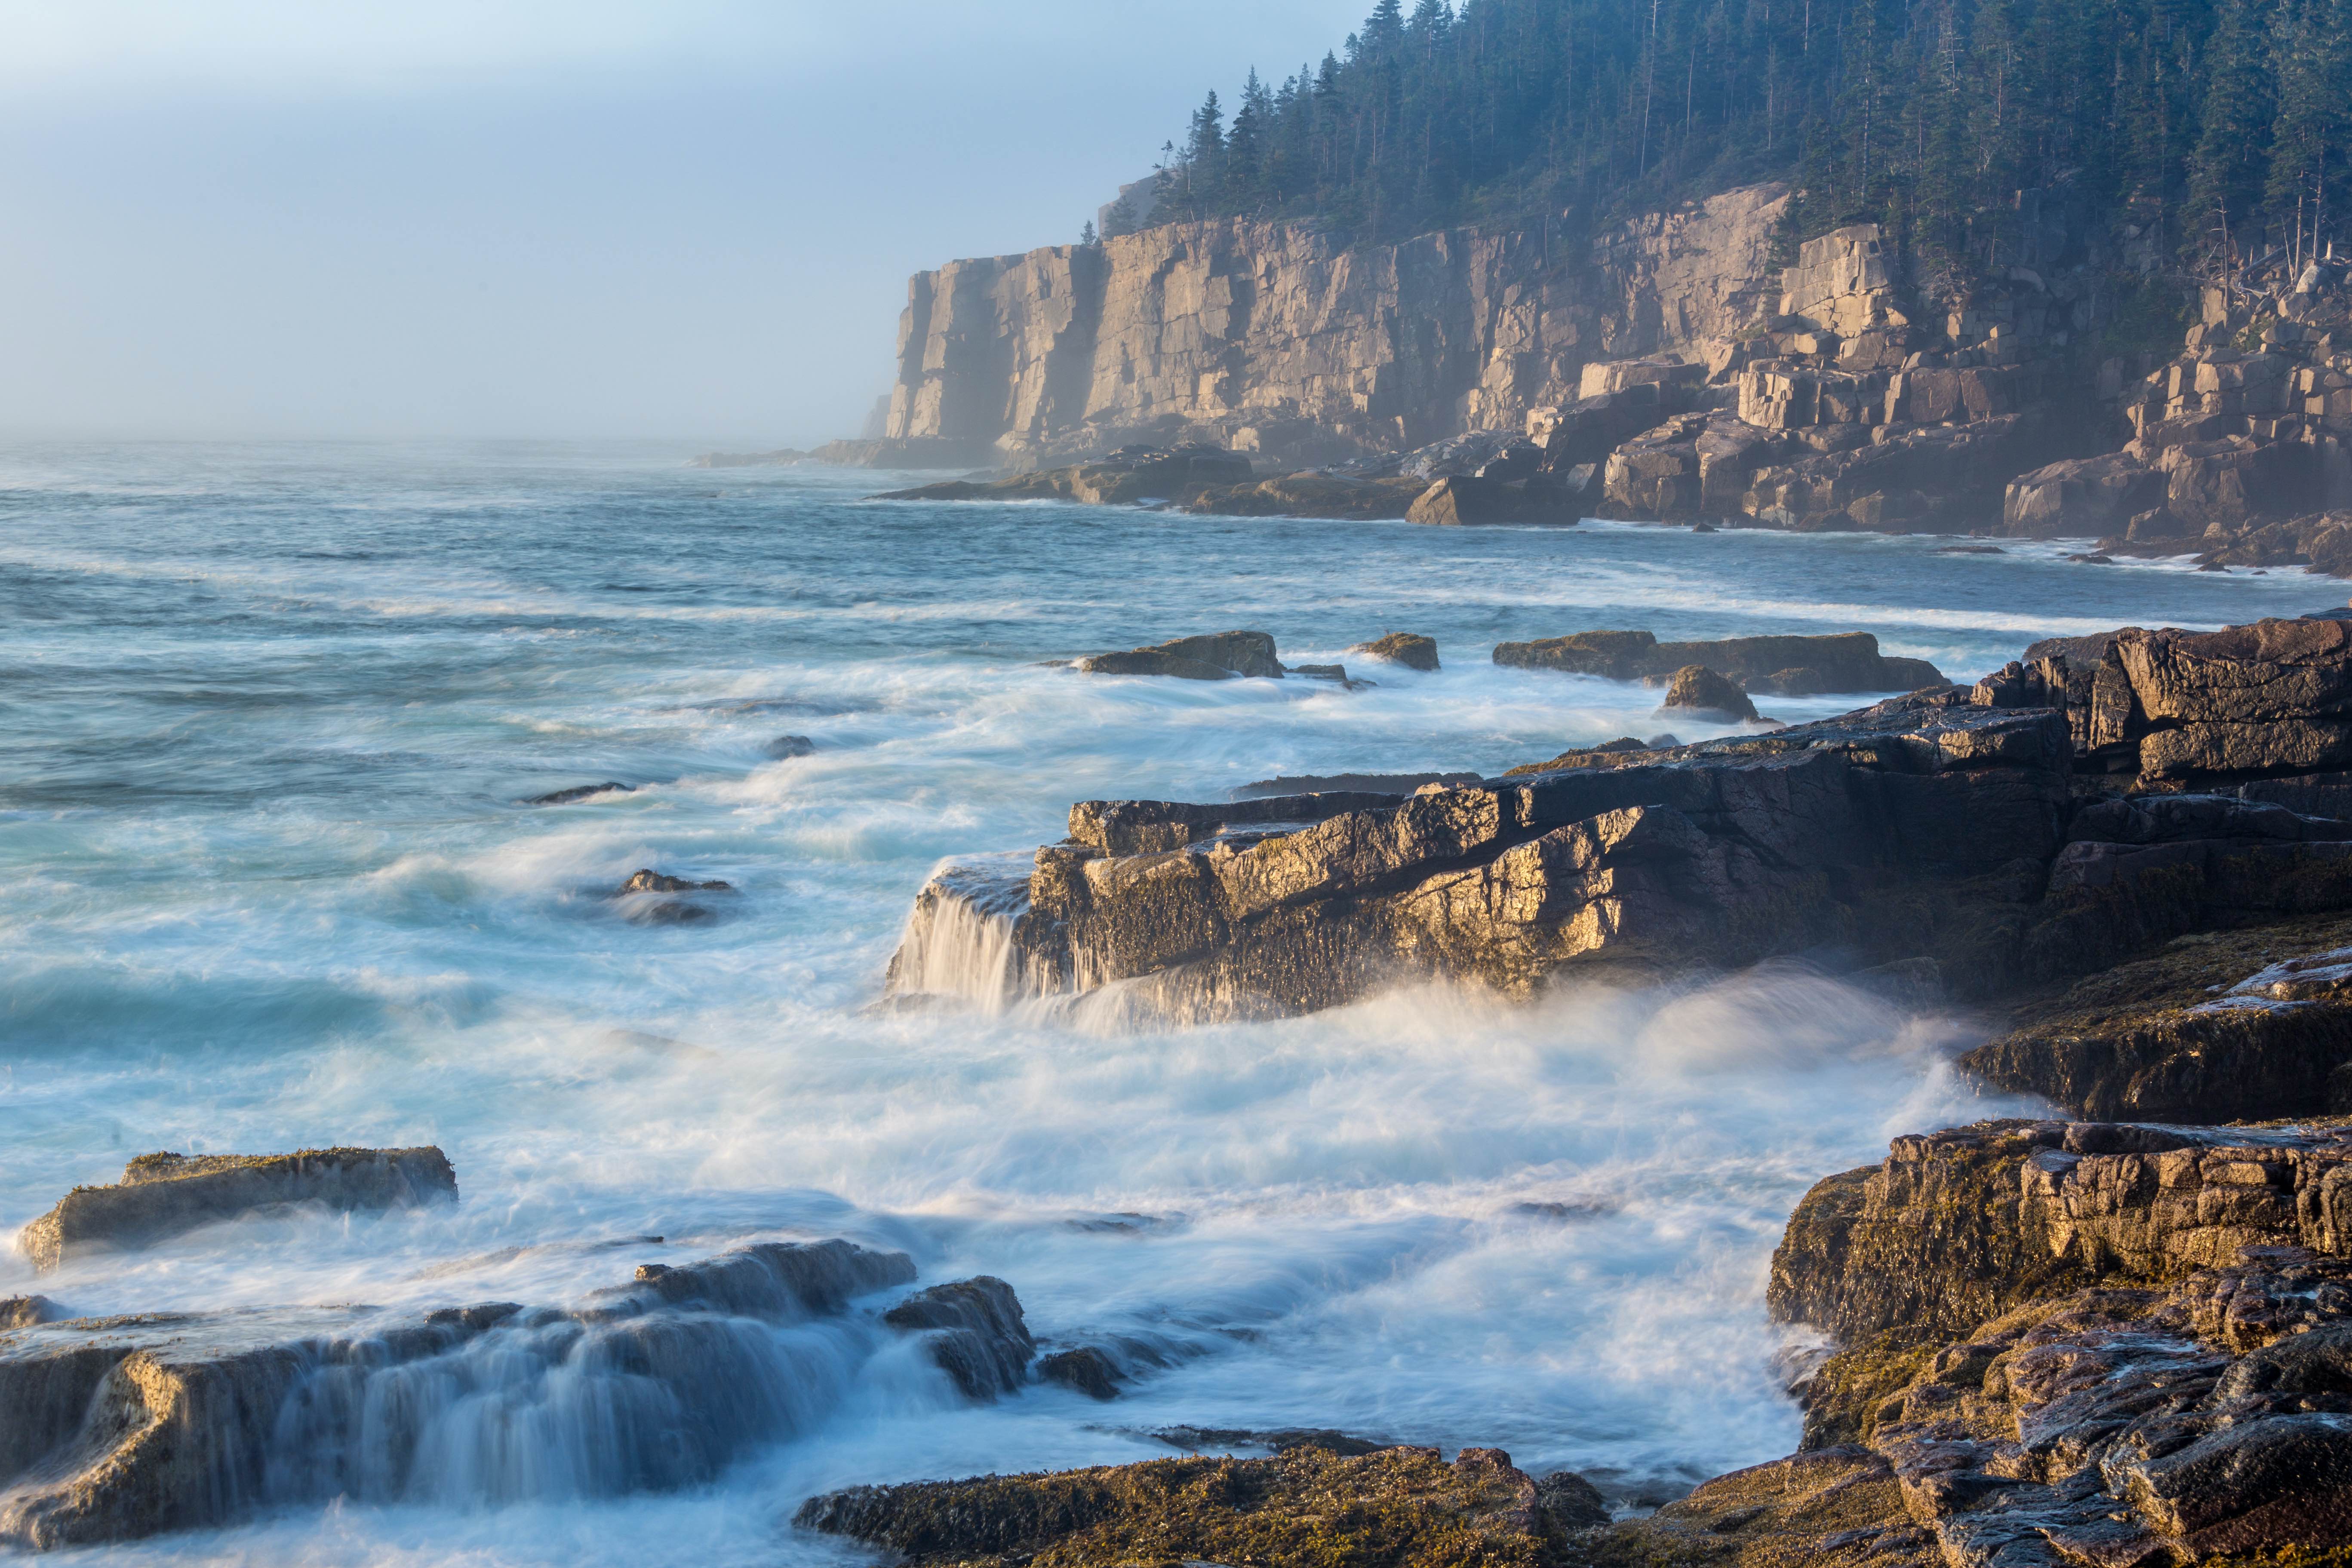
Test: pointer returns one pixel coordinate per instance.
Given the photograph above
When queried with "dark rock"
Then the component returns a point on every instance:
(1570, 1501)
(2215, 1027)
(24, 1311)
(1455, 502)
(1086, 1369)
(1314, 496)
(2081, 496)
(974, 1332)
(1702, 693)
(1220, 656)
(163, 1195)
(787, 746)
(1407, 649)
(581, 792)
(648, 880)
(1789, 666)
(1402, 1506)
(1349, 784)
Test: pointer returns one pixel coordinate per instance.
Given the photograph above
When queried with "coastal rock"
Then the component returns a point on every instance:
(1715, 854)
(974, 1332)
(24, 1311)
(1401, 1505)
(1348, 783)
(117, 1428)
(784, 747)
(1220, 656)
(648, 880)
(1455, 501)
(1787, 665)
(1703, 694)
(2218, 1026)
(1086, 1369)
(1311, 495)
(1407, 649)
(1288, 339)
(163, 1196)
(579, 793)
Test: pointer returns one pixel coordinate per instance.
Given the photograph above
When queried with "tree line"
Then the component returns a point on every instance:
(2212, 128)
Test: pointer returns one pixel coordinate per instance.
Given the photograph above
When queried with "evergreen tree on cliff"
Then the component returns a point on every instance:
(1958, 125)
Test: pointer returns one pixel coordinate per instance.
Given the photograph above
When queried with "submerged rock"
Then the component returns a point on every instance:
(1306, 1508)
(1086, 1369)
(648, 880)
(1703, 694)
(579, 793)
(116, 1428)
(1220, 656)
(1408, 649)
(163, 1195)
(786, 747)
(974, 1331)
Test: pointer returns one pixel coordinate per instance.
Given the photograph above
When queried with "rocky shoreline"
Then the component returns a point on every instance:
(2124, 1338)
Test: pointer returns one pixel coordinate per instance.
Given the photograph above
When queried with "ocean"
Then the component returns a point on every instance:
(272, 713)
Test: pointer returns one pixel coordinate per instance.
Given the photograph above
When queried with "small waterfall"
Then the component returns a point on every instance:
(960, 937)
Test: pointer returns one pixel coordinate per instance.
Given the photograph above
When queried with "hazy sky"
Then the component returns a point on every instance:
(674, 218)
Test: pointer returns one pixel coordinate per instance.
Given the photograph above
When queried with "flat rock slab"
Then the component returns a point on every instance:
(163, 1195)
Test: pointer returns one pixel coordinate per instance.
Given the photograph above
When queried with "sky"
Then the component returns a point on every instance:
(582, 220)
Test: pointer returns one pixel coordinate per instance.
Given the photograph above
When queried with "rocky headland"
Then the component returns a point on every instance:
(1669, 374)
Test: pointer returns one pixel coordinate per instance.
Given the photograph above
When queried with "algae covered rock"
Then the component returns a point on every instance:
(1306, 1507)
(163, 1196)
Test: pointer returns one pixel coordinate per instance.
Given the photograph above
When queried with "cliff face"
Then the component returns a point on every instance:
(1275, 339)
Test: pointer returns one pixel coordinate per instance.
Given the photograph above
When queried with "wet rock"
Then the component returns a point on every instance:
(117, 1428)
(163, 1196)
(579, 793)
(974, 1331)
(24, 1311)
(1407, 649)
(1789, 666)
(1086, 1369)
(784, 747)
(1403, 1505)
(647, 880)
(1220, 656)
(1704, 695)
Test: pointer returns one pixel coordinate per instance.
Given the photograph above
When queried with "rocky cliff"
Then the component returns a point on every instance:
(1279, 339)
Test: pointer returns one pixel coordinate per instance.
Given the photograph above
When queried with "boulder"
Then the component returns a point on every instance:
(1407, 649)
(2094, 496)
(1462, 500)
(784, 747)
(24, 1311)
(1086, 1369)
(1221, 655)
(1705, 695)
(973, 1331)
(163, 1195)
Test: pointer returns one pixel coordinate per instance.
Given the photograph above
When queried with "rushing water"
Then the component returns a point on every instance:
(270, 713)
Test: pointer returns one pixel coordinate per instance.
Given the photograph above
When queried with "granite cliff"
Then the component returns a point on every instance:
(1282, 339)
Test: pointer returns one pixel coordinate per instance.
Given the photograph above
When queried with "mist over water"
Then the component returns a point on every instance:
(271, 711)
